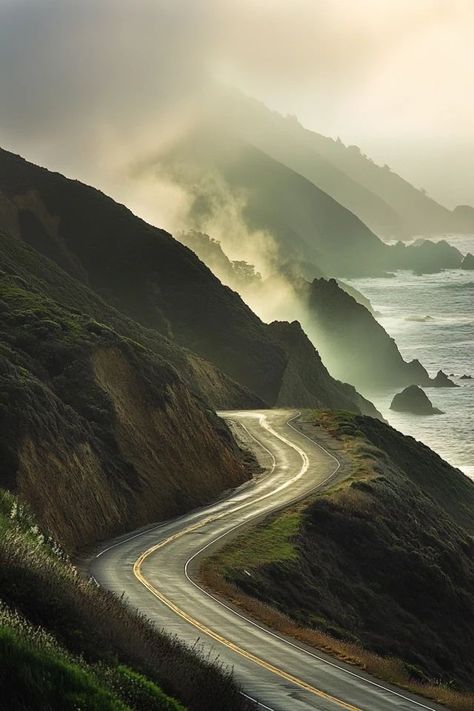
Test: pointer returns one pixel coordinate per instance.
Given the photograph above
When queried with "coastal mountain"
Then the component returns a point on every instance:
(338, 318)
(144, 273)
(355, 345)
(386, 202)
(99, 433)
(308, 226)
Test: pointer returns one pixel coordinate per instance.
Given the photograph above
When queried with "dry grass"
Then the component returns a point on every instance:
(389, 669)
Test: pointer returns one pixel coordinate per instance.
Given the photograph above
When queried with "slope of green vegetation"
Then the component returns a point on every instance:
(97, 431)
(66, 644)
(382, 564)
(153, 279)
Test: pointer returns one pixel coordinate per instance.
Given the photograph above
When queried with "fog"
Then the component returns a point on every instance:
(89, 86)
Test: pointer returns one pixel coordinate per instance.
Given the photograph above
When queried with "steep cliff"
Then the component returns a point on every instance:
(352, 342)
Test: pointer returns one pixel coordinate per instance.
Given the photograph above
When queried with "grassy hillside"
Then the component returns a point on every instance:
(379, 569)
(98, 432)
(144, 273)
(65, 644)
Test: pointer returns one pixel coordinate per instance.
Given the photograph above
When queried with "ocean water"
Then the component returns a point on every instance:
(431, 318)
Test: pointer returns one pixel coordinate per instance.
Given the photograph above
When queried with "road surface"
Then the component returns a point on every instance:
(154, 568)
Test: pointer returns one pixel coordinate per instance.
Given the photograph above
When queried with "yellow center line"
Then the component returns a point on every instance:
(214, 635)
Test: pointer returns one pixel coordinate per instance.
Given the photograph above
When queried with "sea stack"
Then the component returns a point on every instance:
(468, 262)
(415, 401)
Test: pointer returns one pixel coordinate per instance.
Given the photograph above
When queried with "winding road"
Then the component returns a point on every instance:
(154, 569)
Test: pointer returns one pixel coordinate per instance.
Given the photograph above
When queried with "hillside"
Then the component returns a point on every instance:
(308, 226)
(378, 569)
(305, 372)
(66, 644)
(144, 273)
(338, 318)
(352, 342)
(383, 200)
(99, 433)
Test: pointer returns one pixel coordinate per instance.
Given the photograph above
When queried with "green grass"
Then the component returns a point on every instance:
(34, 678)
(73, 645)
(272, 543)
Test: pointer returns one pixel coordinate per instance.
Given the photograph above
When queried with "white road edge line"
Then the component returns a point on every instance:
(255, 701)
(264, 629)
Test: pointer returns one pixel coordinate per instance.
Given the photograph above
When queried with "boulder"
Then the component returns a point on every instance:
(468, 262)
(414, 400)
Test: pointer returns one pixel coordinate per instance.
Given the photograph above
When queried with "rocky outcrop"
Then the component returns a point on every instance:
(415, 401)
(442, 381)
(352, 343)
(468, 262)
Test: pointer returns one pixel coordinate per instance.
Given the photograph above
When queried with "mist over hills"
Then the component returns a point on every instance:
(284, 214)
(386, 202)
(146, 285)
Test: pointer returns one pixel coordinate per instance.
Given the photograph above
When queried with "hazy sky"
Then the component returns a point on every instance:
(85, 83)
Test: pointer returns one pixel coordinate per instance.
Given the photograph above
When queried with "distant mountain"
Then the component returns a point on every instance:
(144, 273)
(383, 200)
(307, 225)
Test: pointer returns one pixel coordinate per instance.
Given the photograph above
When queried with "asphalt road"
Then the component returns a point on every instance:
(154, 569)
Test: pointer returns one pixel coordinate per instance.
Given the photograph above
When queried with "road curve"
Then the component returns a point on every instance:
(153, 568)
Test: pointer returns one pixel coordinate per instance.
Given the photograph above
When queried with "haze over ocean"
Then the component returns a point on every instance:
(444, 340)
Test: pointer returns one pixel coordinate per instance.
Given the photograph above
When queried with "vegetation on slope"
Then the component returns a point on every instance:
(378, 569)
(98, 433)
(66, 644)
(143, 272)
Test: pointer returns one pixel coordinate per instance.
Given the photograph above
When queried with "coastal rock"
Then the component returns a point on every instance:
(468, 262)
(442, 381)
(465, 377)
(356, 345)
(414, 400)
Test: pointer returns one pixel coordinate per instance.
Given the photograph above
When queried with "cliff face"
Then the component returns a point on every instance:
(98, 433)
(305, 372)
(175, 306)
(141, 270)
(353, 344)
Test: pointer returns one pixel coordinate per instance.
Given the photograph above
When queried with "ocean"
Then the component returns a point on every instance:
(431, 317)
